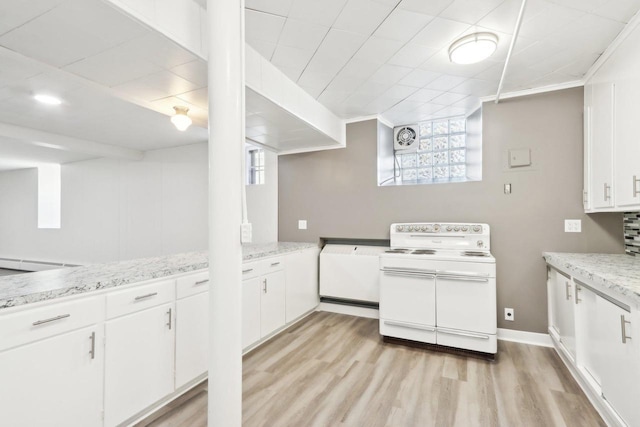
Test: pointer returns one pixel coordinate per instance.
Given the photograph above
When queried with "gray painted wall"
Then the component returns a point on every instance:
(336, 192)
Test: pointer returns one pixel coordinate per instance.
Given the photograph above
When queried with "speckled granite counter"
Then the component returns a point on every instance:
(44, 285)
(620, 273)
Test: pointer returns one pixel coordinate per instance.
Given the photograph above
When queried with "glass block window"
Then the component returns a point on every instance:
(441, 154)
(255, 166)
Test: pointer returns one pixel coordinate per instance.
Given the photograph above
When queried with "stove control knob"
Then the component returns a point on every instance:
(436, 227)
(399, 228)
(411, 228)
(456, 228)
(480, 244)
(465, 228)
(449, 228)
(477, 228)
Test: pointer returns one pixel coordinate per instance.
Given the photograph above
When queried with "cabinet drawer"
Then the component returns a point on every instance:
(140, 298)
(192, 284)
(251, 270)
(39, 323)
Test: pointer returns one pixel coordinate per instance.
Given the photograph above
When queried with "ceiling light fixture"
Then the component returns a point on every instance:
(47, 99)
(181, 120)
(473, 48)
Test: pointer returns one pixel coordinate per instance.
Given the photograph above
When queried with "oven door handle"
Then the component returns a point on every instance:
(409, 325)
(463, 334)
(409, 273)
(462, 278)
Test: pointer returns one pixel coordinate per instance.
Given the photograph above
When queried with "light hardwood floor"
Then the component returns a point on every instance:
(334, 370)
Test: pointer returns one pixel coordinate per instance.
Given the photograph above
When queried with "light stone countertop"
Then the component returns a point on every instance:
(28, 288)
(620, 273)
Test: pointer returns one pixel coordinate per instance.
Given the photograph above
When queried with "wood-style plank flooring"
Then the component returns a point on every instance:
(334, 370)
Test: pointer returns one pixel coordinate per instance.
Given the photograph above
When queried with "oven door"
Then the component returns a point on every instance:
(408, 303)
(466, 302)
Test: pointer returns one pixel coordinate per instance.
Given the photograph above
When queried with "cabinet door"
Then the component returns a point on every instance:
(565, 313)
(301, 283)
(601, 166)
(627, 148)
(251, 311)
(587, 326)
(192, 337)
(554, 301)
(139, 362)
(588, 134)
(54, 382)
(272, 303)
(620, 364)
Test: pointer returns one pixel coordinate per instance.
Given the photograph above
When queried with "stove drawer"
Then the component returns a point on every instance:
(408, 297)
(407, 331)
(486, 343)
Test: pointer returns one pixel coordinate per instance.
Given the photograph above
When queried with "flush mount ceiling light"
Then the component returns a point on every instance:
(473, 48)
(47, 99)
(181, 120)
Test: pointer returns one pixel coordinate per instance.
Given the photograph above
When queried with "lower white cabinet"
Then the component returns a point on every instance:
(301, 283)
(272, 303)
(620, 364)
(589, 345)
(54, 382)
(250, 311)
(139, 362)
(562, 318)
(192, 337)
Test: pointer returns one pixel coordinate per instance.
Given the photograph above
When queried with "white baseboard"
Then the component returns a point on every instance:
(532, 338)
(352, 310)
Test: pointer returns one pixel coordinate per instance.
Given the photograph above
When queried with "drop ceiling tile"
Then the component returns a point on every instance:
(16, 67)
(469, 11)
(359, 69)
(331, 98)
(198, 97)
(450, 112)
(412, 55)
(313, 91)
(159, 50)
(585, 5)
(369, 91)
(440, 33)
(340, 45)
(362, 16)
(405, 106)
(476, 87)
(448, 98)
(428, 108)
(265, 49)
(580, 66)
(293, 73)
(181, 21)
(316, 80)
(302, 35)
(74, 30)
(167, 82)
(618, 10)
(275, 7)
(503, 18)
(381, 104)
(399, 92)
(378, 50)
(317, 12)
(285, 56)
(492, 73)
(194, 71)
(550, 18)
(106, 68)
(419, 78)
(344, 84)
(15, 13)
(263, 26)
(470, 103)
(579, 34)
(425, 95)
(431, 7)
(445, 83)
(52, 81)
(440, 63)
(401, 25)
(389, 74)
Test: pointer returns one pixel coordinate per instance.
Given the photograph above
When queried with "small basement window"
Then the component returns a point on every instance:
(435, 151)
(255, 166)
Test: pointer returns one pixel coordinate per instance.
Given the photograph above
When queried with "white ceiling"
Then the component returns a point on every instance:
(389, 57)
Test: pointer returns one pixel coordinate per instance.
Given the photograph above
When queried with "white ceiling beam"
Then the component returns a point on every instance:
(67, 143)
(516, 30)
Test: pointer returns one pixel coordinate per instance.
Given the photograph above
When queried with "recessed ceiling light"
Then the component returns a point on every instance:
(473, 48)
(181, 120)
(47, 99)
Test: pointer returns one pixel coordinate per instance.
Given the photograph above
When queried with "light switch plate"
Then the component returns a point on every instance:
(246, 233)
(572, 226)
(302, 224)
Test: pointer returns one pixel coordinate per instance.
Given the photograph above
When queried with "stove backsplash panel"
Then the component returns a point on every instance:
(632, 233)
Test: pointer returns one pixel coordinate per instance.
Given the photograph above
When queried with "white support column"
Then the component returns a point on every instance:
(226, 141)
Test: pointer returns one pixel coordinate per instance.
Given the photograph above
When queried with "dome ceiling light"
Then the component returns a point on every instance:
(473, 48)
(180, 119)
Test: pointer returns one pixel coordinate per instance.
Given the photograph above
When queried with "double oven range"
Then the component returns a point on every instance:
(438, 286)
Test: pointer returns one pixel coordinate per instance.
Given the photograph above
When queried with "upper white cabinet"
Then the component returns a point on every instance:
(612, 148)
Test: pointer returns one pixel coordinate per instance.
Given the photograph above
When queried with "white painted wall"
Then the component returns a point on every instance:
(115, 210)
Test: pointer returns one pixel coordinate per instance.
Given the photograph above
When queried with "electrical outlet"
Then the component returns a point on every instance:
(302, 224)
(509, 314)
(507, 189)
(572, 226)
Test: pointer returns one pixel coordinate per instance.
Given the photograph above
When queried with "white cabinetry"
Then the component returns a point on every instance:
(301, 283)
(601, 149)
(139, 359)
(588, 342)
(627, 144)
(250, 311)
(272, 303)
(562, 318)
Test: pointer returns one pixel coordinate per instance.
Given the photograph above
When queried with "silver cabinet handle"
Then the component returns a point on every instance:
(623, 327)
(141, 297)
(249, 270)
(170, 312)
(201, 282)
(567, 286)
(607, 192)
(264, 286)
(584, 198)
(463, 278)
(273, 264)
(409, 274)
(635, 186)
(578, 289)
(410, 325)
(464, 334)
(52, 319)
(92, 352)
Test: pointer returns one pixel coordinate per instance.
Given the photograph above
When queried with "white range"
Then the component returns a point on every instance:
(438, 286)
